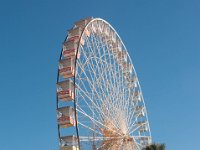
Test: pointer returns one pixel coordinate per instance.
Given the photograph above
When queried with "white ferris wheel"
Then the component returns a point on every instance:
(100, 105)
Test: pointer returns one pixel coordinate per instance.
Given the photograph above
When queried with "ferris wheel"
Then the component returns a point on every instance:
(100, 105)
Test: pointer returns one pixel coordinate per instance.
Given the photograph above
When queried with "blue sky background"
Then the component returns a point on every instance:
(163, 40)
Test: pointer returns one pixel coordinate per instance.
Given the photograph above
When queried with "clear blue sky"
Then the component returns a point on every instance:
(162, 37)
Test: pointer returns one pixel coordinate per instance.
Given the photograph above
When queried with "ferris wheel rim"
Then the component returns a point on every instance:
(78, 49)
(95, 19)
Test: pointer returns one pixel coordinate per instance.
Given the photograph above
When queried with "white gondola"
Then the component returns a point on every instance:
(65, 117)
(107, 40)
(69, 143)
(137, 96)
(100, 26)
(82, 23)
(127, 68)
(87, 32)
(94, 28)
(143, 129)
(70, 48)
(141, 113)
(69, 148)
(132, 81)
(106, 30)
(66, 67)
(122, 57)
(74, 33)
(112, 38)
(116, 48)
(65, 90)
(145, 140)
(139, 108)
(141, 123)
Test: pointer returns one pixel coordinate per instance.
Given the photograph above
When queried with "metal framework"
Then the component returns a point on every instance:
(99, 100)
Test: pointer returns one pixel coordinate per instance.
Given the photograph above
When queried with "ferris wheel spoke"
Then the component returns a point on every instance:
(105, 83)
(86, 127)
(92, 89)
(102, 101)
(103, 60)
(108, 79)
(93, 112)
(101, 146)
(132, 106)
(94, 77)
(98, 123)
(131, 112)
(138, 145)
(138, 126)
(92, 104)
(135, 120)
(133, 127)
(98, 63)
(134, 117)
(85, 74)
(97, 108)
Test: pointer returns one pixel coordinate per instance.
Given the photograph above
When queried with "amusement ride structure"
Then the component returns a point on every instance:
(100, 105)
